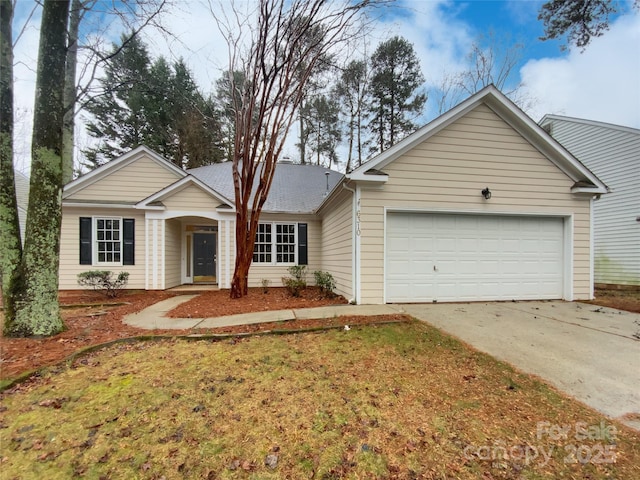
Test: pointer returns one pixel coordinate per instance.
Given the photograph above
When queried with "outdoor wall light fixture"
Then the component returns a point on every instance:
(486, 193)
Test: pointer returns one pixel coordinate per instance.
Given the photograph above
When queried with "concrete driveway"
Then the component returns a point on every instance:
(587, 351)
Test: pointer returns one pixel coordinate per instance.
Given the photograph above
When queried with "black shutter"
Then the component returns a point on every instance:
(128, 241)
(85, 240)
(302, 244)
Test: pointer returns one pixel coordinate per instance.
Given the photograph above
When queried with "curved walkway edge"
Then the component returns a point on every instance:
(154, 317)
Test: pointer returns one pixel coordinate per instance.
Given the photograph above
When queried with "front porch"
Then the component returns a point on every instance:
(191, 251)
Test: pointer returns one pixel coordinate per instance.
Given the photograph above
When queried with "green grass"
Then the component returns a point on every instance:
(392, 401)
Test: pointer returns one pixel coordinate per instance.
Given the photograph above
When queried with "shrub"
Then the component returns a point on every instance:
(265, 285)
(325, 281)
(299, 272)
(298, 280)
(103, 280)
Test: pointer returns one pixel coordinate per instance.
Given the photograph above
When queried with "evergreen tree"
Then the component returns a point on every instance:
(154, 104)
(227, 98)
(119, 113)
(394, 96)
(351, 90)
(322, 126)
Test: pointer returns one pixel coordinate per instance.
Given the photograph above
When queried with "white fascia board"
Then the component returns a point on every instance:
(545, 143)
(115, 165)
(419, 136)
(97, 205)
(512, 115)
(177, 187)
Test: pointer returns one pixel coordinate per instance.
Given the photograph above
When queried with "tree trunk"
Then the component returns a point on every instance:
(70, 93)
(10, 245)
(37, 309)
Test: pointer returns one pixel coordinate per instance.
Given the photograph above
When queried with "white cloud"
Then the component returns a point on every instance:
(602, 83)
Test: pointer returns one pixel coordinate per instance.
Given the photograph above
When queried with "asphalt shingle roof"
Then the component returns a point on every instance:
(295, 189)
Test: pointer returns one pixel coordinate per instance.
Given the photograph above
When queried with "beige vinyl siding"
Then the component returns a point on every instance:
(223, 280)
(337, 244)
(447, 173)
(131, 183)
(173, 253)
(274, 273)
(230, 226)
(70, 247)
(613, 154)
(191, 198)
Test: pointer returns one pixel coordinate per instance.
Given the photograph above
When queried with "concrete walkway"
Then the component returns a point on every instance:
(587, 351)
(154, 317)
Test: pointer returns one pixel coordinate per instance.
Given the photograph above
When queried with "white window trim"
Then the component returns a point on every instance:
(94, 242)
(274, 244)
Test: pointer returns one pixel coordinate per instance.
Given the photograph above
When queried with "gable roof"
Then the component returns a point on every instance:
(177, 187)
(584, 180)
(295, 188)
(115, 165)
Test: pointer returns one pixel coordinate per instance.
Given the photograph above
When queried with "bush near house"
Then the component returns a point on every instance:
(104, 281)
(325, 281)
(297, 281)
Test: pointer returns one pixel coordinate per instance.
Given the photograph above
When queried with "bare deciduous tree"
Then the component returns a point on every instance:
(489, 63)
(277, 48)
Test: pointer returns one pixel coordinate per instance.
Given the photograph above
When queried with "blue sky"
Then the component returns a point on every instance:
(602, 83)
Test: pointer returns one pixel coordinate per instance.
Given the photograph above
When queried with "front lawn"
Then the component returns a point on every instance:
(387, 401)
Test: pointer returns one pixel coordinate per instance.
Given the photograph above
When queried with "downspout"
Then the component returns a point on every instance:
(592, 248)
(355, 247)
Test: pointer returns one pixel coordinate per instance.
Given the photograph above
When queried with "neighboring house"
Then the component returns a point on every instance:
(612, 152)
(22, 197)
(411, 225)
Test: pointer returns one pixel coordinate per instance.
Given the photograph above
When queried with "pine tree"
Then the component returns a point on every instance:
(395, 96)
(322, 125)
(152, 103)
(351, 89)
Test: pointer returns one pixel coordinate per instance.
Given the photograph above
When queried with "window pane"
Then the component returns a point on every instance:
(108, 243)
(262, 247)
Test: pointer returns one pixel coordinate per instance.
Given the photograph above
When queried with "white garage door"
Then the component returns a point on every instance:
(445, 258)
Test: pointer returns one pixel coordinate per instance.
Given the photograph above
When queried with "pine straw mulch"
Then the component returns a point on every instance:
(91, 319)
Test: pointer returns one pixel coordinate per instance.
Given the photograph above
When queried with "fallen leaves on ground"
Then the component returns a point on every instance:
(393, 401)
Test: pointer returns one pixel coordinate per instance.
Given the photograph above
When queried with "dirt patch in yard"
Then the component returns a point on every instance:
(628, 300)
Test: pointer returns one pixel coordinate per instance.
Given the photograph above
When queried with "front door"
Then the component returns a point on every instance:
(204, 257)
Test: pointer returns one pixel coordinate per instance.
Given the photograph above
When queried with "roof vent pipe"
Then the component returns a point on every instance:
(327, 190)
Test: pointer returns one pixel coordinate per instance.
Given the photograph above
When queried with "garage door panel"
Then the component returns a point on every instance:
(476, 257)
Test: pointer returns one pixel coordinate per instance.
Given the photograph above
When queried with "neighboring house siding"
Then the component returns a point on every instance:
(274, 273)
(173, 253)
(613, 154)
(22, 197)
(337, 244)
(70, 251)
(447, 173)
(191, 198)
(133, 182)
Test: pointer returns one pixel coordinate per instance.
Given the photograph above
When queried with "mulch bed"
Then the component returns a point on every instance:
(216, 303)
(91, 319)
